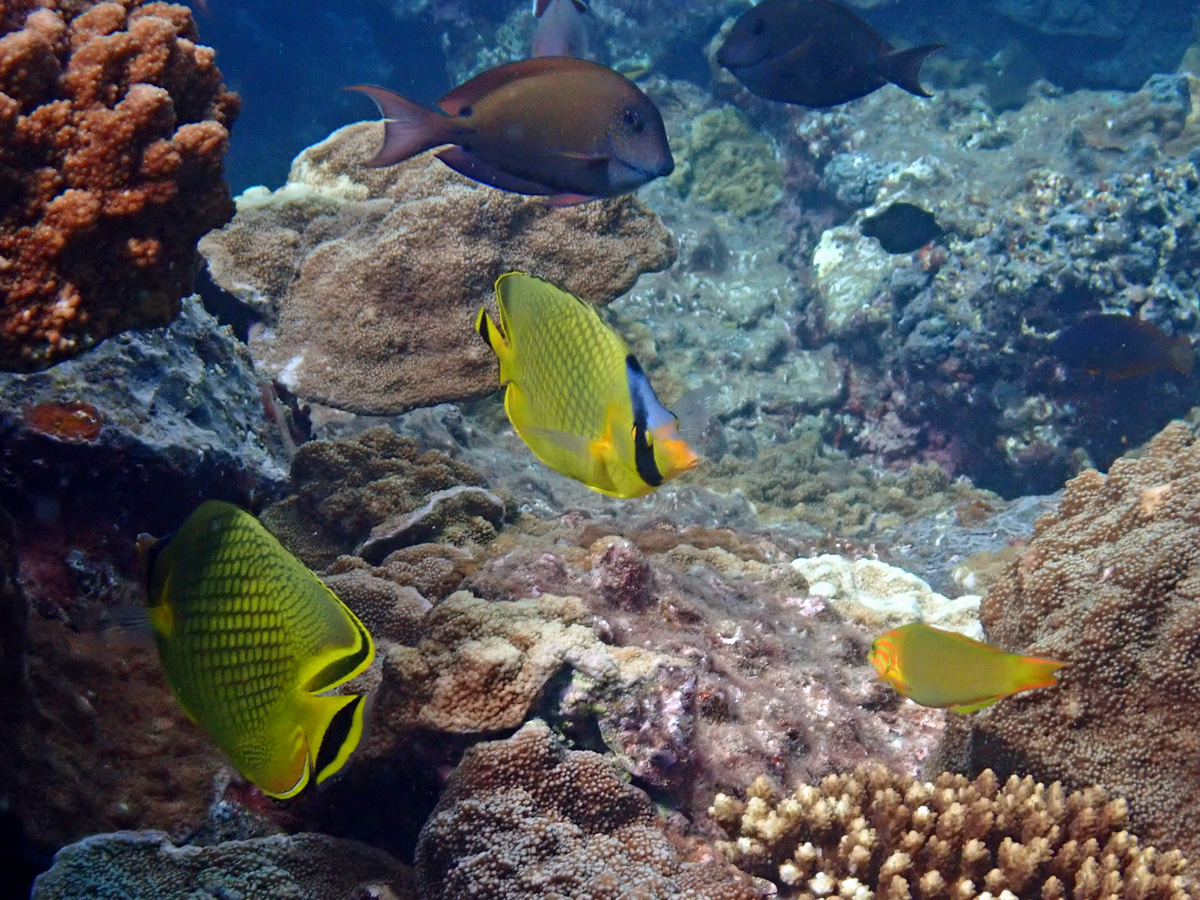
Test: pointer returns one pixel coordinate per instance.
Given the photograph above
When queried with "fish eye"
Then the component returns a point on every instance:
(633, 121)
(759, 27)
(465, 111)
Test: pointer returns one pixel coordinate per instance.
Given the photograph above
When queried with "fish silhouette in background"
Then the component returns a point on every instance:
(902, 227)
(1119, 346)
(947, 670)
(816, 53)
(250, 639)
(561, 28)
(576, 395)
(568, 129)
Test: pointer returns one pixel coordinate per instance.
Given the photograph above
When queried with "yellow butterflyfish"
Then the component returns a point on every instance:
(576, 395)
(249, 639)
(948, 670)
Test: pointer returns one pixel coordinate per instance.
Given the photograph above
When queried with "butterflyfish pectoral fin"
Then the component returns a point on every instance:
(333, 726)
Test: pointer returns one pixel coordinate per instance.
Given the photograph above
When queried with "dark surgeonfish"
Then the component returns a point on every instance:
(1119, 346)
(816, 53)
(561, 28)
(565, 128)
(902, 227)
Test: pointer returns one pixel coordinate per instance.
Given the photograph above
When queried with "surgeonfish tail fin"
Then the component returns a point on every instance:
(333, 725)
(1181, 355)
(409, 129)
(903, 68)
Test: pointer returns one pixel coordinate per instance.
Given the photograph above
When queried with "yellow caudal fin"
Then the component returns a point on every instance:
(494, 337)
(334, 726)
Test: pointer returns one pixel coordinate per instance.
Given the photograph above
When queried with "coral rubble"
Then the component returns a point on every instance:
(872, 833)
(113, 128)
(1110, 583)
(369, 279)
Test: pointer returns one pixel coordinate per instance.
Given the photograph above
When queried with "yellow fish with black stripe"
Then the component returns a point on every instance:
(249, 639)
(576, 395)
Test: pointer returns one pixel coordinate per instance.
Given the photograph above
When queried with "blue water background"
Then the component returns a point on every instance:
(290, 60)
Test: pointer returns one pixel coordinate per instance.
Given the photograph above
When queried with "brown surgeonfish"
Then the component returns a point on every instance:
(568, 129)
(816, 53)
(1119, 346)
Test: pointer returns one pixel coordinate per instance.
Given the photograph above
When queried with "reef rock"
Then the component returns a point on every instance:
(113, 128)
(526, 818)
(139, 865)
(1110, 584)
(366, 280)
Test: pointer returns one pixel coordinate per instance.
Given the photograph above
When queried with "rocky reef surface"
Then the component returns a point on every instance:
(667, 698)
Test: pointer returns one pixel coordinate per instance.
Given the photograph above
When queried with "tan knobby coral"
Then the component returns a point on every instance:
(369, 279)
(526, 819)
(875, 833)
(1110, 584)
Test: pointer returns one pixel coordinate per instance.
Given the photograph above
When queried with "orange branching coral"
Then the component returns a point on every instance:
(113, 128)
(874, 833)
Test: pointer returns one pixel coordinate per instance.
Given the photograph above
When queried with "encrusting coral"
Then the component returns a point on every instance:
(113, 129)
(345, 488)
(410, 252)
(873, 833)
(1110, 584)
(131, 864)
(526, 819)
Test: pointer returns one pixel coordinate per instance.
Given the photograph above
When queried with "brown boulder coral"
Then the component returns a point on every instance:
(874, 833)
(367, 280)
(1110, 583)
(346, 489)
(526, 819)
(113, 128)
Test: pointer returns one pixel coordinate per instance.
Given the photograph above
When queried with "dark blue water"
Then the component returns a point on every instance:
(290, 60)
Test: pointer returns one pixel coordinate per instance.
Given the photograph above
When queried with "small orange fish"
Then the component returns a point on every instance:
(947, 670)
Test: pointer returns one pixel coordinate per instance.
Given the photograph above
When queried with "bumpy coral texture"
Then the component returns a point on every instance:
(481, 665)
(146, 864)
(113, 127)
(874, 833)
(371, 278)
(1111, 585)
(343, 489)
(524, 818)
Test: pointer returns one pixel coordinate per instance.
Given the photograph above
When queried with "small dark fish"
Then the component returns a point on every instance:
(561, 28)
(902, 228)
(569, 129)
(1119, 346)
(816, 53)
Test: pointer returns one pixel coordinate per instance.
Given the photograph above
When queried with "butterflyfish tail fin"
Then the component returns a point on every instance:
(903, 68)
(333, 726)
(287, 784)
(409, 128)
